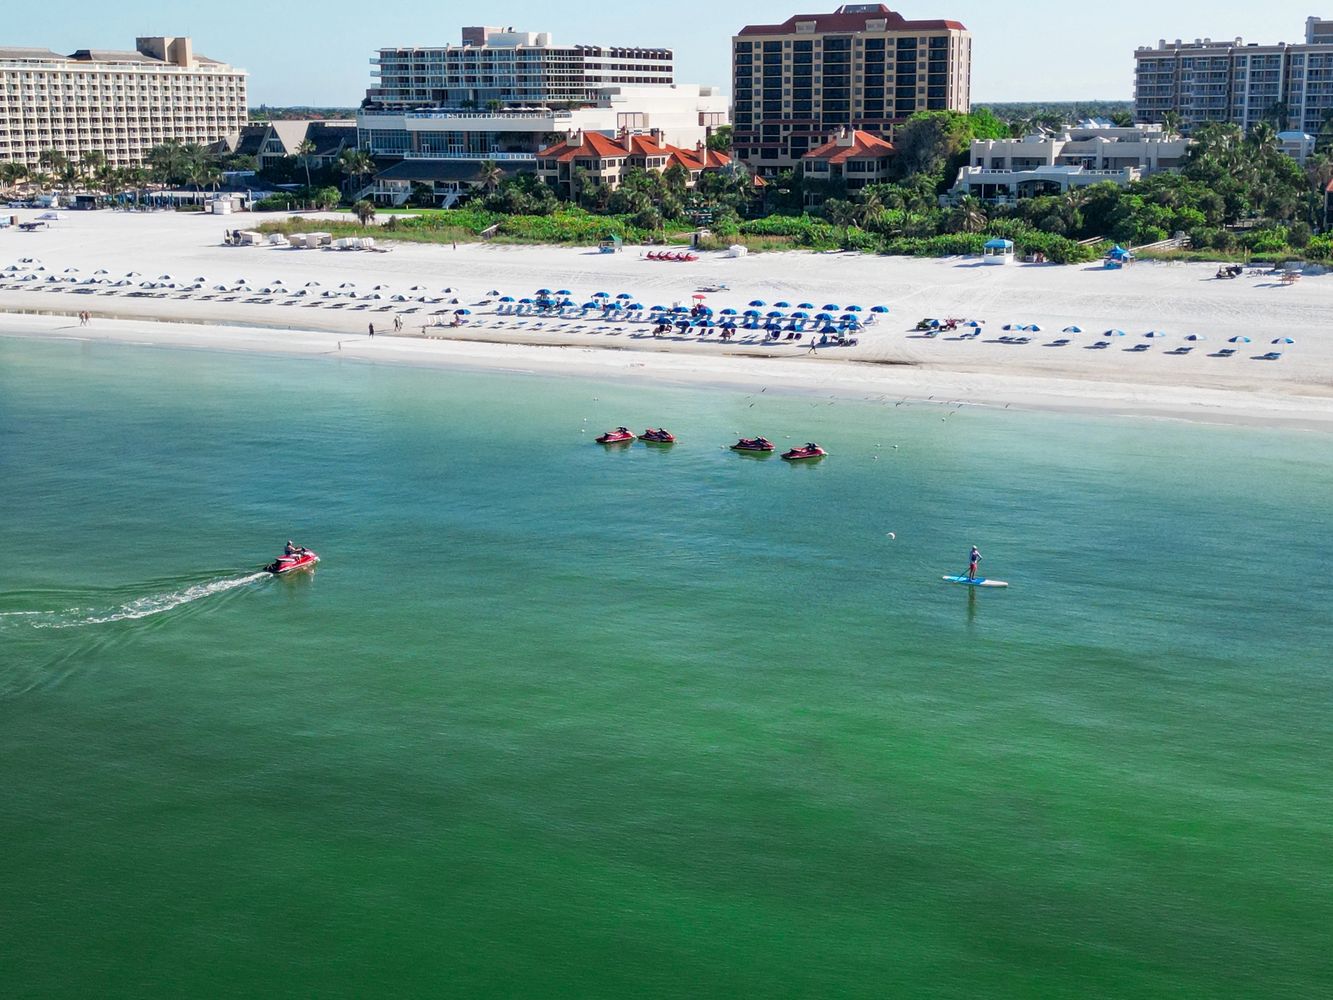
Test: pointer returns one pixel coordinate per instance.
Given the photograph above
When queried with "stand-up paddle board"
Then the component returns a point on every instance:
(963, 581)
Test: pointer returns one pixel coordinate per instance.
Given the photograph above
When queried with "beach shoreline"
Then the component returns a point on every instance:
(844, 379)
(1174, 377)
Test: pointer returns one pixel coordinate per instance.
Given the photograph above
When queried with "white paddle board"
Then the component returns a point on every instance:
(963, 581)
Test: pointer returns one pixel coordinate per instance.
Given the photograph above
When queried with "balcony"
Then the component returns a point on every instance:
(433, 155)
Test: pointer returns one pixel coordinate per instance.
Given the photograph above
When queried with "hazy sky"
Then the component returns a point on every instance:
(318, 53)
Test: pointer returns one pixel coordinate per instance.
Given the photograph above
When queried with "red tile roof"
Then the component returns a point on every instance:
(863, 146)
(839, 21)
(594, 145)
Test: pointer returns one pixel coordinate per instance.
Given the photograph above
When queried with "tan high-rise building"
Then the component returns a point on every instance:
(120, 104)
(796, 85)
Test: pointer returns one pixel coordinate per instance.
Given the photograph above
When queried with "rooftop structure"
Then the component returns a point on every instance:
(116, 103)
(510, 67)
(852, 159)
(1290, 85)
(862, 67)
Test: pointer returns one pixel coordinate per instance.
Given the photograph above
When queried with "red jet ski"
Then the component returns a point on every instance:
(659, 436)
(621, 435)
(301, 559)
(763, 445)
(810, 451)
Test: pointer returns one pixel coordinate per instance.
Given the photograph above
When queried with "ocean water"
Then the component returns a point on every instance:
(553, 720)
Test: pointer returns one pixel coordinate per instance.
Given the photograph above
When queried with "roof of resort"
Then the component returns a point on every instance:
(602, 147)
(854, 145)
(852, 17)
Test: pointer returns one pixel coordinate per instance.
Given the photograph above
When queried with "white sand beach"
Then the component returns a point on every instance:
(891, 360)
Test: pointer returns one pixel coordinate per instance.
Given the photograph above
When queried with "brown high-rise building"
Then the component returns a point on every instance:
(797, 84)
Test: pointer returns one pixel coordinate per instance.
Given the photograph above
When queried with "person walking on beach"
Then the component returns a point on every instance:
(972, 560)
(372, 331)
(398, 324)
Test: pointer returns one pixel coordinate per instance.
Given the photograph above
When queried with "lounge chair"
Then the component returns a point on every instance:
(1062, 342)
(1270, 356)
(1226, 352)
(1137, 349)
(1101, 345)
(1179, 351)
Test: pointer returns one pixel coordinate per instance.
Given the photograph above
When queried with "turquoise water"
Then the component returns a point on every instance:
(551, 720)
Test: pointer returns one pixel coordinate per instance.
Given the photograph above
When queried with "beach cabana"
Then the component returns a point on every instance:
(998, 252)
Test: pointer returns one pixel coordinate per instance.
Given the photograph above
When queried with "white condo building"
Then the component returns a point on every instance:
(120, 104)
(1005, 170)
(1239, 82)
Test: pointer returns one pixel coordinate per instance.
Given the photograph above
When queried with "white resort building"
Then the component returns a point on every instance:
(505, 95)
(119, 104)
(1005, 170)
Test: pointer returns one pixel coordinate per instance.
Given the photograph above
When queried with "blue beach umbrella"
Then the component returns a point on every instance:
(462, 312)
(680, 309)
(591, 305)
(800, 314)
(564, 291)
(1072, 329)
(525, 302)
(974, 324)
(624, 296)
(824, 317)
(1154, 334)
(705, 311)
(1284, 340)
(507, 298)
(730, 312)
(1194, 337)
(832, 306)
(775, 314)
(854, 309)
(758, 303)
(635, 307)
(1114, 333)
(543, 291)
(1239, 340)
(805, 305)
(879, 309)
(752, 312)
(601, 295)
(782, 305)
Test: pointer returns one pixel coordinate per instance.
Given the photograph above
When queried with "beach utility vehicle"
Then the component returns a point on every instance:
(807, 453)
(621, 435)
(301, 559)
(759, 444)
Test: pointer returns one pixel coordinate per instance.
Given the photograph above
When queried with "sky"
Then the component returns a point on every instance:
(300, 52)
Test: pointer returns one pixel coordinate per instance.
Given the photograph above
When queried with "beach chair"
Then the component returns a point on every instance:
(1063, 342)
(1136, 349)
(1101, 345)
(1226, 352)
(1270, 356)
(1180, 351)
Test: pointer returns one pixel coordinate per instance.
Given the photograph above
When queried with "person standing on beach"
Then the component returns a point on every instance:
(398, 324)
(372, 331)
(974, 557)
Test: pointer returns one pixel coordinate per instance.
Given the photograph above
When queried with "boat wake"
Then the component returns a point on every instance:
(130, 610)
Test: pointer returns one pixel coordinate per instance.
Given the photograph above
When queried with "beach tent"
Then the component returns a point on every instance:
(998, 251)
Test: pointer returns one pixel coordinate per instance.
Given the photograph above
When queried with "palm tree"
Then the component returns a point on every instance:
(304, 151)
(842, 214)
(1171, 125)
(489, 175)
(365, 211)
(92, 162)
(355, 164)
(968, 216)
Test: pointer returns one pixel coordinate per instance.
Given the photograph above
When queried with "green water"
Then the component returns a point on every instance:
(556, 721)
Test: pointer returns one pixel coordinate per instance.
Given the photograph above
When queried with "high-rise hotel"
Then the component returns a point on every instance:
(120, 104)
(796, 85)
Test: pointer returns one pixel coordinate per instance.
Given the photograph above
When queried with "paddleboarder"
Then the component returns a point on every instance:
(973, 558)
